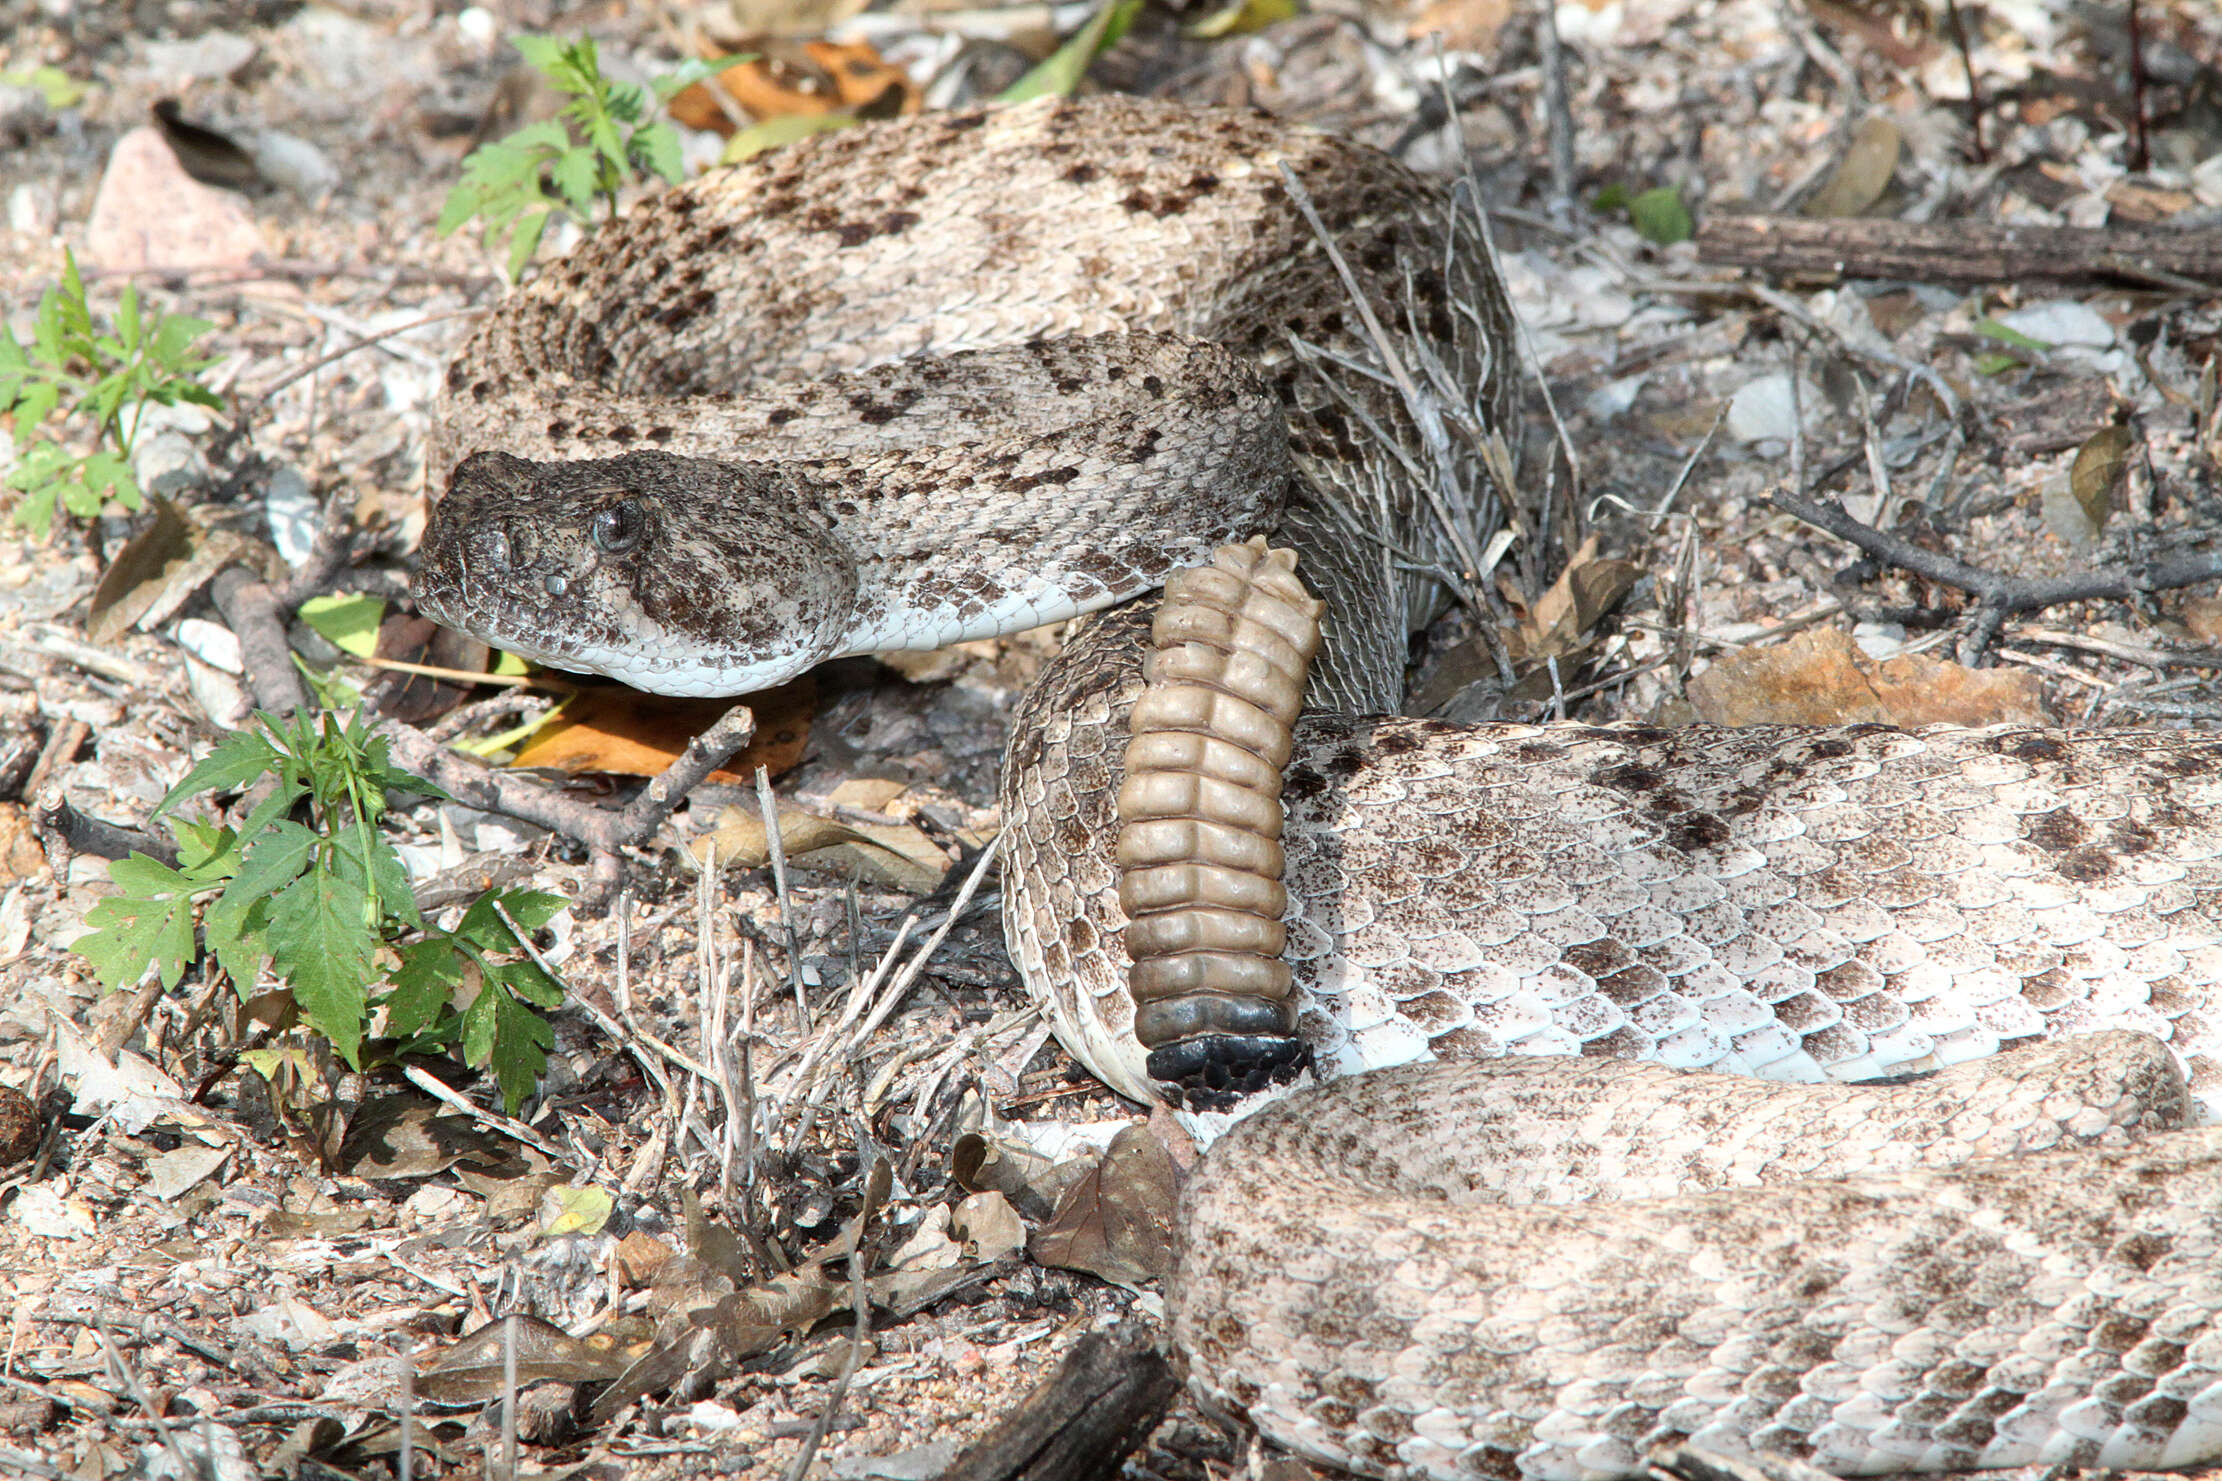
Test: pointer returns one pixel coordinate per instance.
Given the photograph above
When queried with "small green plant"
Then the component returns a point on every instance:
(598, 144)
(327, 904)
(1657, 214)
(100, 379)
(57, 88)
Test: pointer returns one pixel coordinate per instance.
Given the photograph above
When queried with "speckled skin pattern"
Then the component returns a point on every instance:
(842, 339)
(1055, 339)
(1357, 1268)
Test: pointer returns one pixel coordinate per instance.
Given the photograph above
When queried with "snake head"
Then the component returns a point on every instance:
(675, 575)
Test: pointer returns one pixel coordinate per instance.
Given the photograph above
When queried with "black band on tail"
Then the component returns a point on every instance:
(1213, 1072)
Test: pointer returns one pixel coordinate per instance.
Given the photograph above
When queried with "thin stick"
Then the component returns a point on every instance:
(424, 1081)
(509, 1397)
(1975, 90)
(1558, 119)
(1998, 596)
(262, 397)
(767, 807)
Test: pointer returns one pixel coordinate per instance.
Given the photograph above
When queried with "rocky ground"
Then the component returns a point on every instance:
(814, 1104)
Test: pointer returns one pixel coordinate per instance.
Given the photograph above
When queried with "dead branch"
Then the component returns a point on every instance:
(1104, 1398)
(603, 831)
(1963, 251)
(1997, 597)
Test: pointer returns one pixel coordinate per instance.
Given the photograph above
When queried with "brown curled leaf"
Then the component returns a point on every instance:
(1117, 1221)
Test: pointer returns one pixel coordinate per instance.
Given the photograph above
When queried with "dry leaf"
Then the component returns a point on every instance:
(471, 1372)
(782, 79)
(1563, 617)
(574, 1208)
(2203, 616)
(409, 1136)
(1032, 1182)
(2146, 204)
(641, 1257)
(988, 1227)
(21, 857)
(1465, 25)
(613, 729)
(1863, 174)
(789, 17)
(1117, 1222)
(159, 569)
(894, 856)
(1821, 678)
(2097, 471)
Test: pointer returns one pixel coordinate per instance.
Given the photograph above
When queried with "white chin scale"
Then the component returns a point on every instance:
(682, 676)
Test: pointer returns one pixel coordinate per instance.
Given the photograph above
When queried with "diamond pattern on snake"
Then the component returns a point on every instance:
(937, 378)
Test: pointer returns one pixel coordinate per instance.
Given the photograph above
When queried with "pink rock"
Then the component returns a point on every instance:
(149, 213)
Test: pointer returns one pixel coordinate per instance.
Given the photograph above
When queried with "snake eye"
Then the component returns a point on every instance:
(617, 529)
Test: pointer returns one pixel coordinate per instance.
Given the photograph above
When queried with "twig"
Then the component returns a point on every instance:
(83, 834)
(1997, 597)
(2160, 660)
(364, 342)
(266, 269)
(509, 1397)
(1974, 89)
(860, 1331)
(19, 1463)
(1558, 120)
(775, 848)
(1424, 412)
(599, 828)
(509, 1125)
(128, 1376)
(1973, 253)
(100, 1316)
(2140, 155)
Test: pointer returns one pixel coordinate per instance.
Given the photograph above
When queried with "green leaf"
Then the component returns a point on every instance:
(543, 53)
(773, 133)
(657, 146)
(56, 87)
(601, 133)
(574, 174)
(238, 758)
(464, 201)
(1659, 216)
(349, 622)
(499, 1030)
(389, 877)
(1062, 70)
(33, 405)
(174, 340)
(525, 242)
(532, 909)
(690, 72)
(206, 852)
(423, 985)
(1993, 329)
(320, 945)
(527, 981)
(271, 860)
(107, 475)
(148, 923)
(127, 319)
(1995, 362)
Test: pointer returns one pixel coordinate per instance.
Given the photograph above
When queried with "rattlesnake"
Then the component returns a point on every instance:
(725, 439)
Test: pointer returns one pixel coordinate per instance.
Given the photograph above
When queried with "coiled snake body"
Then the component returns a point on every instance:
(1081, 345)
